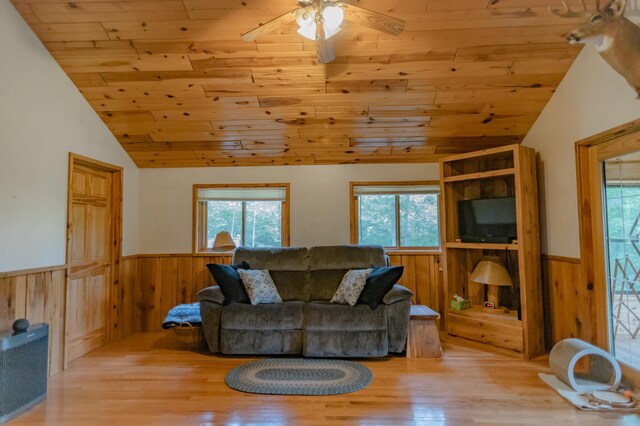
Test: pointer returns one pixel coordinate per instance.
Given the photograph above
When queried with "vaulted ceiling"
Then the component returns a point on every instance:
(178, 88)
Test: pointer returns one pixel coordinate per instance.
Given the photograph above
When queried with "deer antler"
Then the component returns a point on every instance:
(568, 13)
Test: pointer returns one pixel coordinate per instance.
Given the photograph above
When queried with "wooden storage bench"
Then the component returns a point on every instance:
(423, 339)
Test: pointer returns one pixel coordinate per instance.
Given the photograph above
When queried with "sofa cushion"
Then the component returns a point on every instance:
(379, 282)
(398, 293)
(345, 344)
(398, 314)
(211, 294)
(328, 316)
(227, 278)
(323, 284)
(259, 285)
(210, 313)
(345, 257)
(261, 342)
(292, 285)
(351, 286)
(280, 316)
(274, 259)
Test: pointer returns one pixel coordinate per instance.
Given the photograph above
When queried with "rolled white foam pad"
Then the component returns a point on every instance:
(604, 372)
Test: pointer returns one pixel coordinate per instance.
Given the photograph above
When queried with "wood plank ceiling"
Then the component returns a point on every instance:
(178, 88)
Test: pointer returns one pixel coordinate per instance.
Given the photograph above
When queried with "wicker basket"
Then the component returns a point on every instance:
(190, 336)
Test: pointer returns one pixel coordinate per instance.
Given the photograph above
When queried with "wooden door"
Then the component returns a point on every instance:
(90, 227)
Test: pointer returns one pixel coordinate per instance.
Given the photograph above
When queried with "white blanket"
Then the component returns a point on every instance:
(577, 398)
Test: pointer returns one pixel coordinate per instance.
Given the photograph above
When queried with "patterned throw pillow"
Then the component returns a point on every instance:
(259, 286)
(351, 286)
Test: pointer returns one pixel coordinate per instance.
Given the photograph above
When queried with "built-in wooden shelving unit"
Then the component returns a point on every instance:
(503, 171)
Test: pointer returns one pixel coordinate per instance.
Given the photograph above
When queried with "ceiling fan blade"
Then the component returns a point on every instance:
(368, 18)
(326, 49)
(269, 26)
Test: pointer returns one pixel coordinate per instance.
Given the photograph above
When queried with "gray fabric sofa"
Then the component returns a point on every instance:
(306, 323)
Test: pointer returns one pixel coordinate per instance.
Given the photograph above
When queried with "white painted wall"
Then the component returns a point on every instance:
(319, 199)
(42, 118)
(590, 99)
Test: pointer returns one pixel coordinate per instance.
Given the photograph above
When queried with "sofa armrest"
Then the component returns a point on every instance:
(211, 314)
(211, 294)
(397, 294)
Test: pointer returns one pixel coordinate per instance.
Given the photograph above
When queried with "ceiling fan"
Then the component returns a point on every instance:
(320, 20)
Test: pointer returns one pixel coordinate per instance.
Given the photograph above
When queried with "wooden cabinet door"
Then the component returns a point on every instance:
(90, 230)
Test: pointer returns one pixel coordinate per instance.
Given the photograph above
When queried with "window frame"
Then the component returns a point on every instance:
(199, 228)
(355, 224)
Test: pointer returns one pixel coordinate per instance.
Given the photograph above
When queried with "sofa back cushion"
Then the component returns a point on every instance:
(288, 267)
(328, 265)
(326, 258)
(292, 285)
(323, 284)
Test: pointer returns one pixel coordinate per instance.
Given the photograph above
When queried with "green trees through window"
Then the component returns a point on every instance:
(399, 220)
(250, 223)
(623, 208)
(224, 216)
(419, 225)
(256, 215)
(378, 220)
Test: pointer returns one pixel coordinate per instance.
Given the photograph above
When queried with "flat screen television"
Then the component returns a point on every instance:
(489, 220)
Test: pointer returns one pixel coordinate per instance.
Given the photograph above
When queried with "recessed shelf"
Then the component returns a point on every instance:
(510, 318)
(481, 246)
(480, 175)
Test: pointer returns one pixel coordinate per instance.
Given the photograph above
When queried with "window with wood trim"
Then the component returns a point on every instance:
(396, 215)
(256, 215)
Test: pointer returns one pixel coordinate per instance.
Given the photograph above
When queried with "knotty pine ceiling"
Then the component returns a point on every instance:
(178, 88)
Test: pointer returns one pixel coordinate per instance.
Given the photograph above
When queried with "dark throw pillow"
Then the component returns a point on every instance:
(380, 281)
(227, 278)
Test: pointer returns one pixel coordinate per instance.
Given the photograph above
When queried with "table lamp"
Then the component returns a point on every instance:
(491, 271)
(223, 242)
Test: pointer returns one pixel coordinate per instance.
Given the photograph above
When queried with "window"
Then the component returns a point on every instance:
(622, 242)
(254, 215)
(396, 215)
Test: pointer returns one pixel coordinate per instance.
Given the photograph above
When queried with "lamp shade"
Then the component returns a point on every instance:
(492, 272)
(223, 242)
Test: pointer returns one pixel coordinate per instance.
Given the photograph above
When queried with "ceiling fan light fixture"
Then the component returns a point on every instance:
(308, 31)
(319, 20)
(330, 32)
(333, 17)
(305, 17)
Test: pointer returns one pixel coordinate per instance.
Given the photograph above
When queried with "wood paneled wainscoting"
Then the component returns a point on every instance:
(423, 276)
(170, 279)
(166, 280)
(568, 299)
(39, 295)
(570, 304)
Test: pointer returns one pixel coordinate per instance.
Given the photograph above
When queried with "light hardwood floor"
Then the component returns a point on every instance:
(146, 379)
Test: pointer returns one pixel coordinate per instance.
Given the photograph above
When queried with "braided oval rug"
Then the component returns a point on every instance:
(299, 377)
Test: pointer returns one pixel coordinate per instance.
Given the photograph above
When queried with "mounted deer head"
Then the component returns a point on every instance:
(620, 46)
